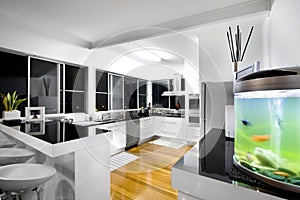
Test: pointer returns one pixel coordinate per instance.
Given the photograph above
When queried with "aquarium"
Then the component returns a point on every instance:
(267, 134)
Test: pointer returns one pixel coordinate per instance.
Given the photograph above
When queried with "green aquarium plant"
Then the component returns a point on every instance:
(11, 101)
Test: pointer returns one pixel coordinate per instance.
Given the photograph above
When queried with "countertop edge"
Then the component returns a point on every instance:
(53, 150)
(208, 188)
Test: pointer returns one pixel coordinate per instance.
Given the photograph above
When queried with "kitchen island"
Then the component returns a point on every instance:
(79, 154)
(207, 172)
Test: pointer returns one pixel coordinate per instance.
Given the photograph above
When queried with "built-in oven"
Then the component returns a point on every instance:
(194, 109)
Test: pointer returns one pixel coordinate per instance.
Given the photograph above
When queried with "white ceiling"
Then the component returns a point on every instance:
(88, 22)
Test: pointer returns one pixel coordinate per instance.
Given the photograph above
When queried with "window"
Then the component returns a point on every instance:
(158, 87)
(14, 77)
(117, 92)
(130, 93)
(44, 89)
(142, 93)
(102, 92)
(74, 89)
(177, 102)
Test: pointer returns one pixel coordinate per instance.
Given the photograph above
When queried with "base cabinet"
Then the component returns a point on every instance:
(116, 136)
(192, 133)
(146, 128)
(170, 127)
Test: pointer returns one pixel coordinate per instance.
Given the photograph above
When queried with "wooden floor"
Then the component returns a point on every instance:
(148, 177)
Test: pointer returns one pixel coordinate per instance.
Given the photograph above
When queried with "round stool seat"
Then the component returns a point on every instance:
(18, 177)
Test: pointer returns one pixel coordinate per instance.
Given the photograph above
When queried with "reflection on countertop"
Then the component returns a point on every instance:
(211, 162)
(52, 131)
(168, 112)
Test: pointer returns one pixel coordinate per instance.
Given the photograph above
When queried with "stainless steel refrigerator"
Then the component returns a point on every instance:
(214, 97)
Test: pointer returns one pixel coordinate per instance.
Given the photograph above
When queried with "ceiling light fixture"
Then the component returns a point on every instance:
(147, 55)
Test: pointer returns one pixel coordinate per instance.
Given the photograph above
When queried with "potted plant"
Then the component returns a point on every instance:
(11, 103)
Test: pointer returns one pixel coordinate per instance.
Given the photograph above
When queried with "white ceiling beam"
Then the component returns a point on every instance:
(238, 10)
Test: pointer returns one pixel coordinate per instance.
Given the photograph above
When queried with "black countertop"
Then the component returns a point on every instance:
(215, 160)
(52, 131)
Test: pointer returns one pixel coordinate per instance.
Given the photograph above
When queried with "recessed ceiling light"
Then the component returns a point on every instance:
(147, 55)
(164, 54)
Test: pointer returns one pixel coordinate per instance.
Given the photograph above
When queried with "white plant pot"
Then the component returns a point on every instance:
(15, 114)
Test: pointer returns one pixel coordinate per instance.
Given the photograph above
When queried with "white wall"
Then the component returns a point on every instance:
(283, 31)
(191, 75)
(214, 56)
(20, 35)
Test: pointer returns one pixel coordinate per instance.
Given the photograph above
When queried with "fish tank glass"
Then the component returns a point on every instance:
(267, 134)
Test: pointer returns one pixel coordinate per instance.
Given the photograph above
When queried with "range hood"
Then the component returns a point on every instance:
(176, 87)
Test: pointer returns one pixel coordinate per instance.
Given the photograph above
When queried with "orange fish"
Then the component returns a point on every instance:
(260, 138)
(282, 174)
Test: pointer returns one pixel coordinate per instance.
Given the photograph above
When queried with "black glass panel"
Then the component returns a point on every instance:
(142, 101)
(61, 102)
(182, 84)
(75, 102)
(177, 102)
(75, 78)
(102, 102)
(158, 87)
(14, 77)
(117, 92)
(101, 81)
(130, 93)
(43, 85)
(142, 87)
(62, 74)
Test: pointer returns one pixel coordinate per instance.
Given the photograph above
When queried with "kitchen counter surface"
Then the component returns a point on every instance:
(207, 172)
(53, 137)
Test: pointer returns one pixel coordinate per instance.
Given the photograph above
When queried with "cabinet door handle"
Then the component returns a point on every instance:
(170, 122)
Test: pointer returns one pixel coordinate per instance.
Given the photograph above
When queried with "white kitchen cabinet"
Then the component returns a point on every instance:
(192, 133)
(170, 127)
(157, 124)
(146, 127)
(120, 135)
(117, 136)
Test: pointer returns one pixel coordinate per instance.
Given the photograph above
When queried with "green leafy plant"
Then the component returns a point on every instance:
(11, 102)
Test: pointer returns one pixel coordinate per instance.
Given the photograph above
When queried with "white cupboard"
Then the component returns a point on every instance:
(146, 127)
(172, 127)
(117, 136)
(192, 133)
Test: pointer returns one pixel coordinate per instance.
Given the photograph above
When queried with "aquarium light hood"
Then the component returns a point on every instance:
(268, 94)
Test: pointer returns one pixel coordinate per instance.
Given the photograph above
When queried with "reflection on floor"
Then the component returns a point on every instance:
(149, 176)
(121, 159)
(169, 142)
